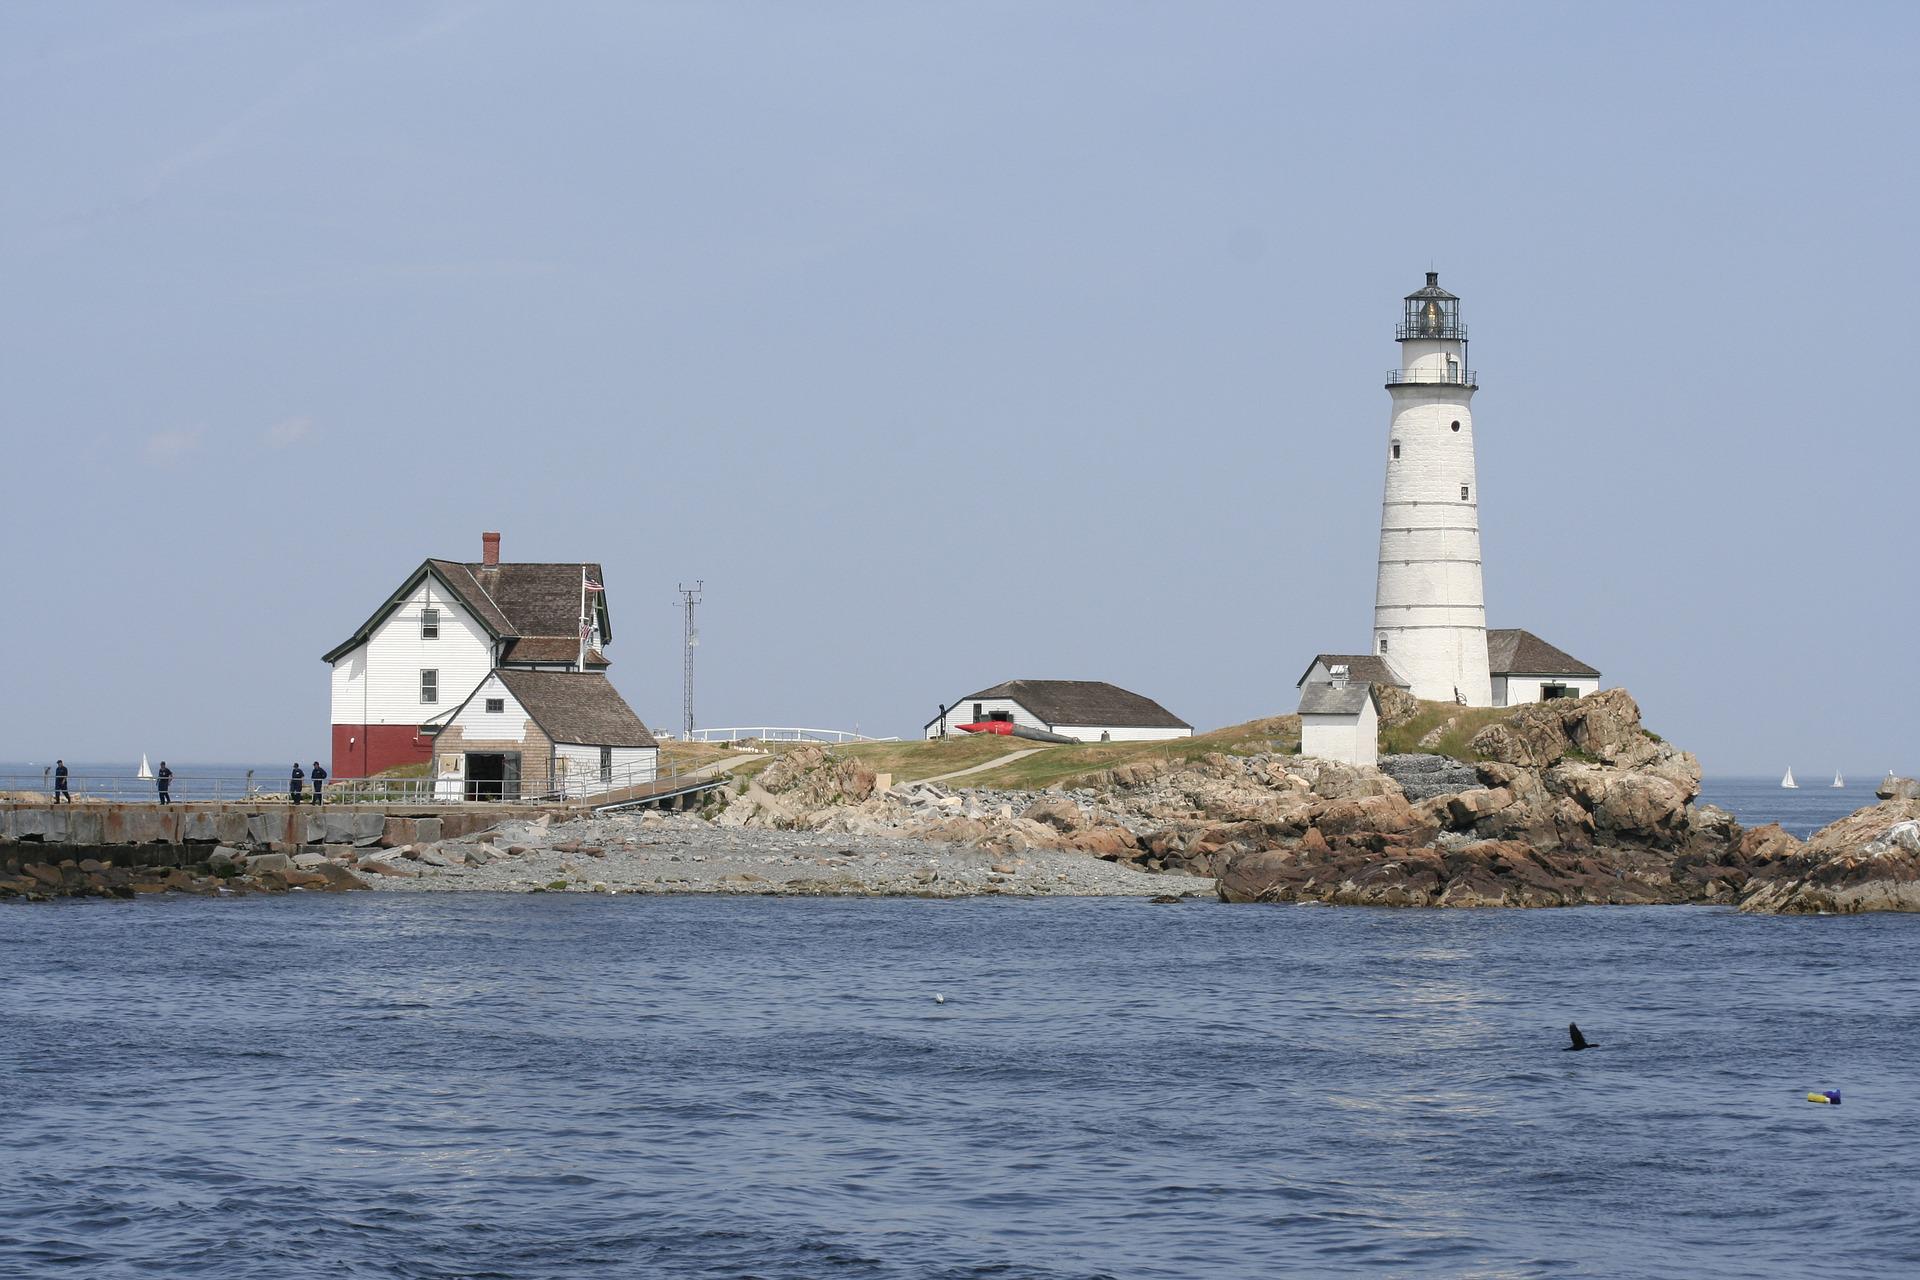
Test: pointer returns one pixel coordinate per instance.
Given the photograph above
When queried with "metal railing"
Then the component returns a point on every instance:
(1452, 377)
(766, 733)
(1442, 329)
(189, 788)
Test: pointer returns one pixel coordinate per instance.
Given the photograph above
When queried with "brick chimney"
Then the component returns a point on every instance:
(489, 548)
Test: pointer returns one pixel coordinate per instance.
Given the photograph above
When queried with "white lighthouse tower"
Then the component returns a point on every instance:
(1429, 613)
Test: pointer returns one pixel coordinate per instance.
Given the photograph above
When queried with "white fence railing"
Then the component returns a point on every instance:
(768, 733)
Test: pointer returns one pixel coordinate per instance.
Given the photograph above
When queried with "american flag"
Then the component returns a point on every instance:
(591, 585)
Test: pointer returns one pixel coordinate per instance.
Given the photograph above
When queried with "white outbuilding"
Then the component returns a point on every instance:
(524, 734)
(1528, 669)
(1340, 721)
(1089, 710)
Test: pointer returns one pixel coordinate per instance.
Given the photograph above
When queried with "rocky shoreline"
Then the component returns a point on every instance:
(1570, 803)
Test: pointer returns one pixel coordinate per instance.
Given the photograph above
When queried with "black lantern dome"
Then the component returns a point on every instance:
(1432, 312)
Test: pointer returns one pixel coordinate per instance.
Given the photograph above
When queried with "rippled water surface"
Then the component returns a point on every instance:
(465, 1085)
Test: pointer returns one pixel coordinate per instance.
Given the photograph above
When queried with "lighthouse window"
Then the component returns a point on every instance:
(1383, 642)
(1463, 493)
(1456, 425)
(1396, 449)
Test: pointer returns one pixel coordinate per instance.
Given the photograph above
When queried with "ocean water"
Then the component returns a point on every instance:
(115, 780)
(1758, 801)
(461, 1085)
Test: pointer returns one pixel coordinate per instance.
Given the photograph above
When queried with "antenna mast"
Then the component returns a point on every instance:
(689, 597)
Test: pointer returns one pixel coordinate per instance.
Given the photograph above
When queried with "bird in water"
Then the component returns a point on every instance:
(1579, 1041)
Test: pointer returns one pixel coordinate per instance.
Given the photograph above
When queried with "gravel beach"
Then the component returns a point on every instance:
(680, 853)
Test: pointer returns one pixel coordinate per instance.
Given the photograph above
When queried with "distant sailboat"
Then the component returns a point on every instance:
(145, 770)
(1788, 780)
(1838, 781)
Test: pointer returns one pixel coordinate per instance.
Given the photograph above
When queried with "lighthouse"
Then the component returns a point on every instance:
(1429, 612)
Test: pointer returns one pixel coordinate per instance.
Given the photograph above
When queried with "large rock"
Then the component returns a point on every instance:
(1424, 776)
(1892, 788)
(1867, 861)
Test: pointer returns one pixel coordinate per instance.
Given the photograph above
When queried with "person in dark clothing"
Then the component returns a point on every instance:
(163, 779)
(319, 780)
(60, 782)
(295, 782)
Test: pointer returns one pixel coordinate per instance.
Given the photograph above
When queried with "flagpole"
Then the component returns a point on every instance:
(583, 619)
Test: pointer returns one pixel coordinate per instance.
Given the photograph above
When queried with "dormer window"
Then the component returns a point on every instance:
(429, 623)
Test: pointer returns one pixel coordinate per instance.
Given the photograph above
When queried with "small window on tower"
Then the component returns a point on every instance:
(1456, 424)
(1464, 489)
(1396, 449)
(1383, 642)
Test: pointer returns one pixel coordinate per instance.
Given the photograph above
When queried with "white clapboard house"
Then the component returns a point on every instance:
(420, 660)
(1340, 719)
(1090, 710)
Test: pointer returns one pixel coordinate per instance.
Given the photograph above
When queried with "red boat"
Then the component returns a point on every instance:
(988, 726)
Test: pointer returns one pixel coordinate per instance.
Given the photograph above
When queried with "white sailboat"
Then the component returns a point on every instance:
(1788, 780)
(146, 771)
(1838, 781)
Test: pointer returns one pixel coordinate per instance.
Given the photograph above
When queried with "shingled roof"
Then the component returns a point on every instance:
(1084, 702)
(577, 706)
(1370, 667)
(512, 601)
(1335, 699)
(1517, 652)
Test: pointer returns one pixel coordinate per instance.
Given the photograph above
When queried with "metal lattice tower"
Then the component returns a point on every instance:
(689, 597)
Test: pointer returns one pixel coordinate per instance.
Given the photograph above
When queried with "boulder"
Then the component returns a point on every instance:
(1058, 812)
(258, 862)
(1892, 788)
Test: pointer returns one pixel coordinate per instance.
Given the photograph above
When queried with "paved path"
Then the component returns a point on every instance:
(994, 763)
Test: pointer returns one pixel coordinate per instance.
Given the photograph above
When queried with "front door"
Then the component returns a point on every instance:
(493, 775)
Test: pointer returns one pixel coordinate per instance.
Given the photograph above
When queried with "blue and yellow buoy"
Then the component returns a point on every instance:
(1831, 1096)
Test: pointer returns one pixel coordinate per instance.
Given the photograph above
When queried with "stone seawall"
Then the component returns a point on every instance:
(267, 826)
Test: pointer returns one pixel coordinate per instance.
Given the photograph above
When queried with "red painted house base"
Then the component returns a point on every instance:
(361, 750)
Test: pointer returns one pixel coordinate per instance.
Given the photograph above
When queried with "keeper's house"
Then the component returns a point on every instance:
(1090, 710)
(422, 658)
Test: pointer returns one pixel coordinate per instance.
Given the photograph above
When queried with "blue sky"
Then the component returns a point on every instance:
(951, 344)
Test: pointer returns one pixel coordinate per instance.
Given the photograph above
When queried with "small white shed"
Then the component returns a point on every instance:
(1340, 721)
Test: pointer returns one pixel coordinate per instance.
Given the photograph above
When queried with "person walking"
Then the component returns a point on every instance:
(60, 782)
(319, 779)
(294, 783)
(163, 779)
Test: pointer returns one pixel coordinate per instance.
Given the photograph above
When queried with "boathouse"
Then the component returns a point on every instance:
(534, 734)
(1090, 710)
(1340, 720)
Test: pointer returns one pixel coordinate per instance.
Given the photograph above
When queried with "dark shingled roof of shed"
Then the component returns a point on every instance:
(1360, 666)
(554, 649)
(580, 707)
(1084, 702)
(1335, 699)
(1522, 653)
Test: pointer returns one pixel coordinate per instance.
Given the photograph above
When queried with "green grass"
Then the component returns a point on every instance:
(1053, 764)
(913, 760)
(1461, 723)
(423, 769)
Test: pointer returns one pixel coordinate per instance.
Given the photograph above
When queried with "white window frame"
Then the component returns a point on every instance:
(496, 706)
(429, 623)
(429, 686)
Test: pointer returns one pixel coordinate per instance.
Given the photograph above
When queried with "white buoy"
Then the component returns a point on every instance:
(938, 998)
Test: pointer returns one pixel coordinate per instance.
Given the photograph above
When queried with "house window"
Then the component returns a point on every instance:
(1464, 490)
(429, 623)
(606, 765)
(976, 712)
(429, 685)
(1548, 692)
(496, 706)
(1396, 449)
